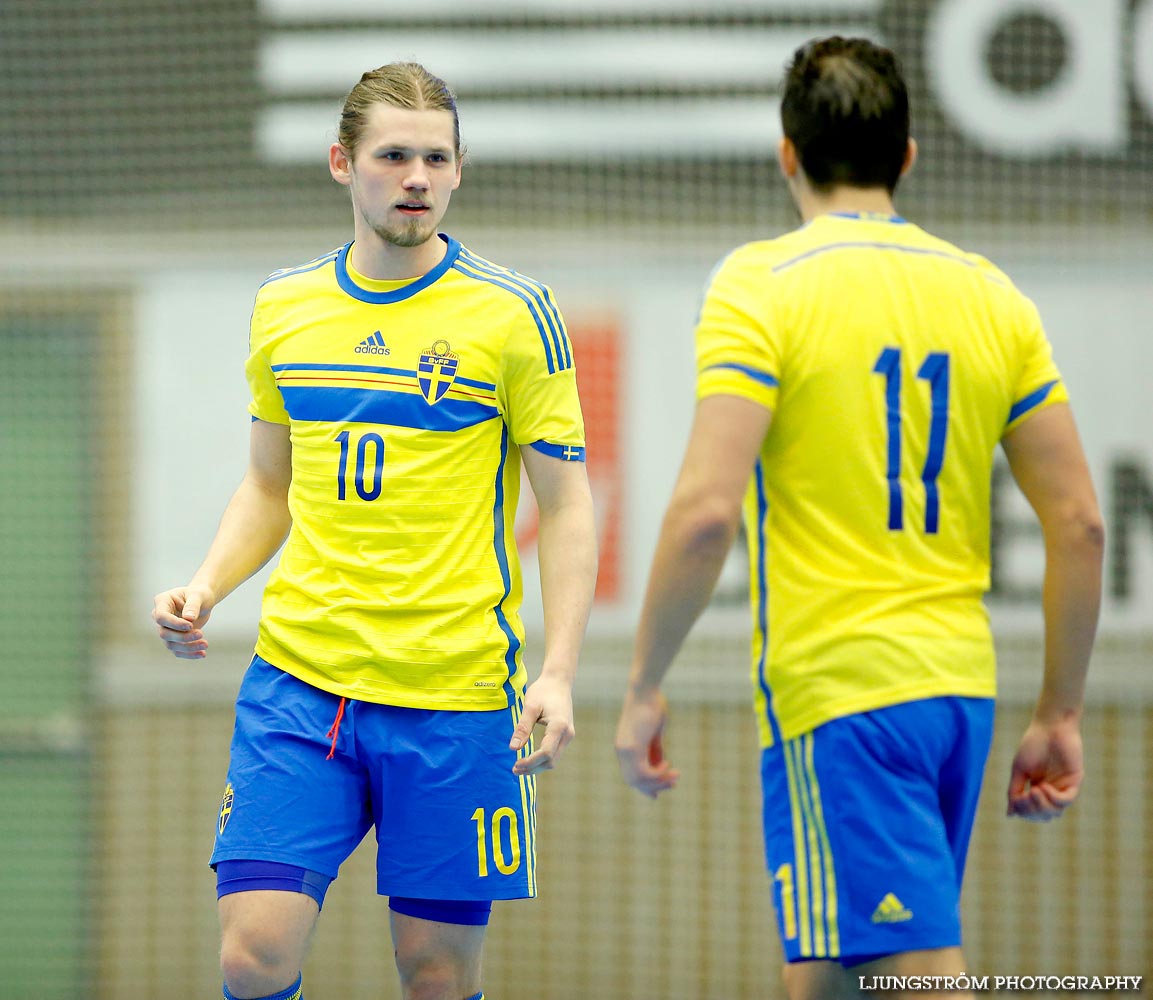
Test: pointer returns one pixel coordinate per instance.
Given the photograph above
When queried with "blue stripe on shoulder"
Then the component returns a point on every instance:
(1033, 400)
(338, 404)
(538, 301)
(754, 373)
(540, 294)
(312, 265)
(565, 452)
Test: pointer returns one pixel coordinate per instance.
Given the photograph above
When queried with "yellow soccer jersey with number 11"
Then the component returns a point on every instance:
(893, 363)
(408, 402)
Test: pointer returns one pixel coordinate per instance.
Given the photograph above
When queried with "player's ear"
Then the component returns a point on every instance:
(339, 164)
(910, 157)
(787, 157)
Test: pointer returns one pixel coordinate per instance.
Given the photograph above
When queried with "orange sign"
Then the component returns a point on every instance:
(597, 350)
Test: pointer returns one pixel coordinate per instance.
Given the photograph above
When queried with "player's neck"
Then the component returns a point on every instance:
(377, 258)
(873, 201)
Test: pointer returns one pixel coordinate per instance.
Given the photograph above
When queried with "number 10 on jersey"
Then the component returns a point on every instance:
(368, 477)
(935, 371)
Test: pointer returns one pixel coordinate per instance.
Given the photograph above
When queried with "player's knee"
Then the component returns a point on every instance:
(815, 981)
(795, 983)
(431, 972)
(429, 977)
(256, 963)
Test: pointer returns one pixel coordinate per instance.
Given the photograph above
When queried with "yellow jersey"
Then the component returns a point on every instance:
(407, 402)
(893, 363)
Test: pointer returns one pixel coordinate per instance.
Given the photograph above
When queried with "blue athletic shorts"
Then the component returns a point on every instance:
(867, 821)
(452, 820)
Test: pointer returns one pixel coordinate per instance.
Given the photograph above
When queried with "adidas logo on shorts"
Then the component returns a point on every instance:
(372, 345)
(891, 910)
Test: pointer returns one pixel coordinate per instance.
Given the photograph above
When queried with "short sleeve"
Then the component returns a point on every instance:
(537, 390)
(738, 354)
(1039, 384)
(267, 401)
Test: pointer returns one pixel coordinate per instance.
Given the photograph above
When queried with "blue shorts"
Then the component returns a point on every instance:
(452, 820)
(867, 821)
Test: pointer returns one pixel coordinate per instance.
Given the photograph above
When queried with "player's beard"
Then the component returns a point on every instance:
(409, 233)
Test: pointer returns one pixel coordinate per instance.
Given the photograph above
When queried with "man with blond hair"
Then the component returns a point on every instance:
(398, 383)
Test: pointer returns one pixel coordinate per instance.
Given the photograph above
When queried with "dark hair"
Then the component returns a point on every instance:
(846, 109)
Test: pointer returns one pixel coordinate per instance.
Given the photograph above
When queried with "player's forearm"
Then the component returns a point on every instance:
(253, 527)
(691, 551)
(567, 553)
(1072, 601)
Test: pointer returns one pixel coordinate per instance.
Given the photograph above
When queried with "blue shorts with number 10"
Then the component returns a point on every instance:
(452, 820)
(867, 821)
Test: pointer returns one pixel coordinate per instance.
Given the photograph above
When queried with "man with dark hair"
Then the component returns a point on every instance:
(854, 379)
(846, 111)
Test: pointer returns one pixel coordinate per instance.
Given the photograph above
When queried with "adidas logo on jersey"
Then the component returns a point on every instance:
(891, 910)
(372, 345)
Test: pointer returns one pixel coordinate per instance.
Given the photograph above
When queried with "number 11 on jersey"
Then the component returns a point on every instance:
(935, 371)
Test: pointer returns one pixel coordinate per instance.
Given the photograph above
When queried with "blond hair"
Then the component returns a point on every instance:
(405, 85)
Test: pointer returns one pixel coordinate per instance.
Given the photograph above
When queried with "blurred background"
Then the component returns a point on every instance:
(159, 158)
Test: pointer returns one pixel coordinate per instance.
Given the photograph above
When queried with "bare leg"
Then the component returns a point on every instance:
(437, 961)
(934, 962)
(819, 981)
(265, 935)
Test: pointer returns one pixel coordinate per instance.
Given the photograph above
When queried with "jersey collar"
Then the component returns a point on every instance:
(349, 286)
(870, 217)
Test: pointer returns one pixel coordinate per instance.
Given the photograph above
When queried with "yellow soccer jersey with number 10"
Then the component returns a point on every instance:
(893, 363)
(408, 402)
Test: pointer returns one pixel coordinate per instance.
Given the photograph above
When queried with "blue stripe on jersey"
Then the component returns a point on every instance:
(375, 370)
(380, 406)
(350, 287)
(899, 247)
(565, 452)
(502, 562)
(754, 373)
(312, 265)
(1034, 399)
(763, 600)
(474, 384)
(555, 354)
(540, 295)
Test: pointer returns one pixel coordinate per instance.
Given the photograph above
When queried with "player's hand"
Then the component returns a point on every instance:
(547, 701)
(640, 751)
(180, 616)
(1047, 771)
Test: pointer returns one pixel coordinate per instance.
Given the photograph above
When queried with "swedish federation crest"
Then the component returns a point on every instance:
(225, 808)
(436, 371)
